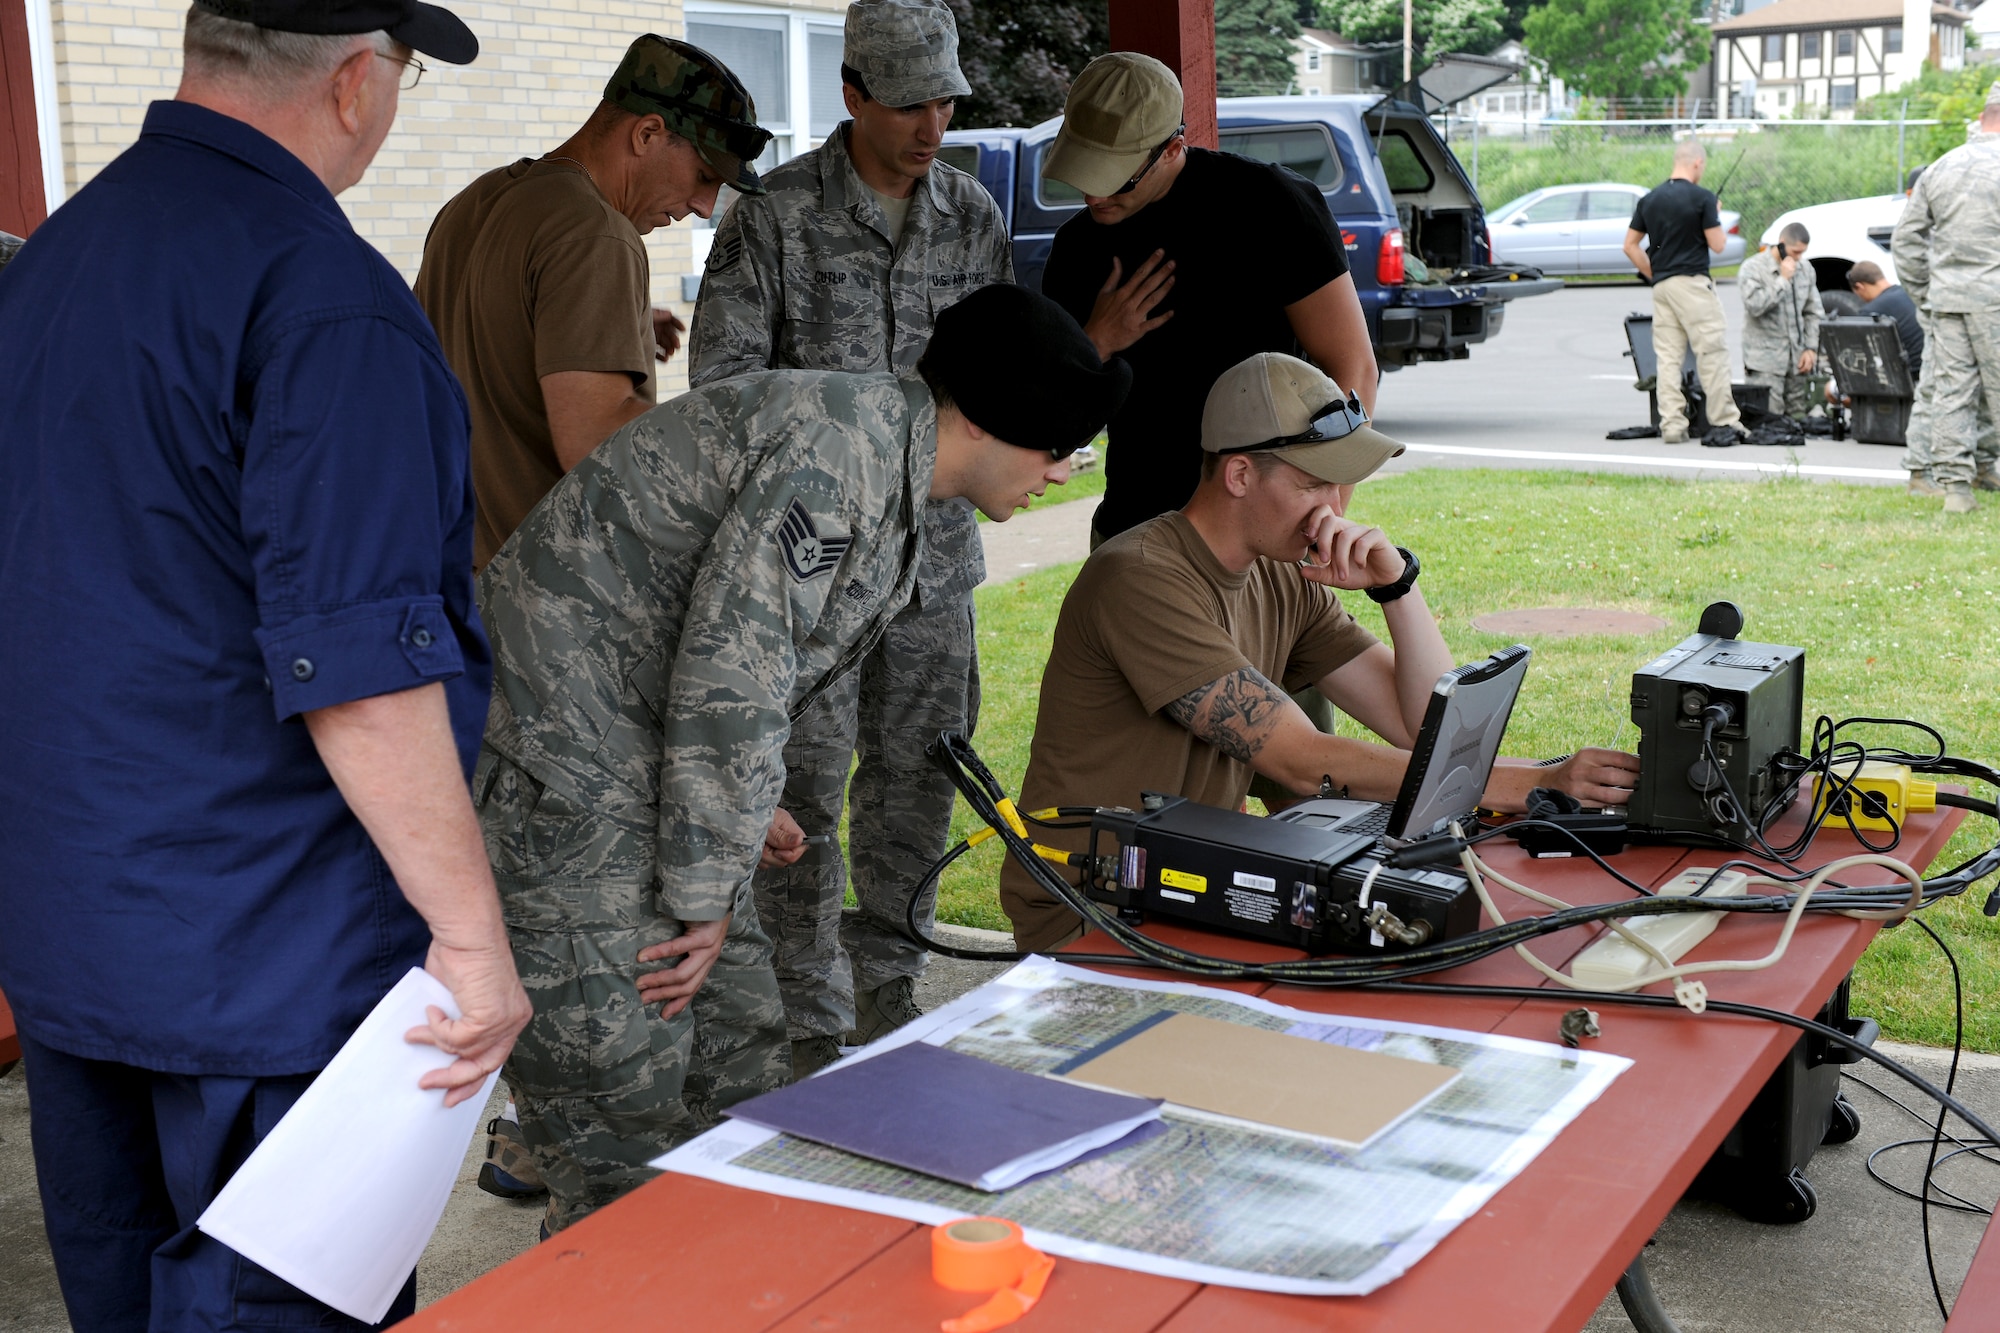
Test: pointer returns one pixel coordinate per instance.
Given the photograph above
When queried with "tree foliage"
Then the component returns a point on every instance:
(1437, 26)
(1952, 97)
(1253, 46)
(1619, 48)
(1020, 56)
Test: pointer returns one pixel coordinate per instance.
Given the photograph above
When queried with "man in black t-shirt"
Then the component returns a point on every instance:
(1882, 297)
(1187, 262)
(1684, 227)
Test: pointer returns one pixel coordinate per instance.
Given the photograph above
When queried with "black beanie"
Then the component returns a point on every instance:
(1022, 370)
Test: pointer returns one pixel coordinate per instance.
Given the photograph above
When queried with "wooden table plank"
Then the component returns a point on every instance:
(1977, 1309)
(894, 1293)
(677, 1252)
(10, 1040)
(1540, 1254)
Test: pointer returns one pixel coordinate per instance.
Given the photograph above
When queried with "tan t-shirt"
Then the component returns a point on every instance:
(530, 271)
(1152, 616)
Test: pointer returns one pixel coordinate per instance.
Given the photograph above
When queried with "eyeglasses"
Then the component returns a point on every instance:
(1140, 175)
(1335, 421)
(413, 68)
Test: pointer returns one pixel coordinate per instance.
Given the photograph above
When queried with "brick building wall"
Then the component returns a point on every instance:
(541, 68)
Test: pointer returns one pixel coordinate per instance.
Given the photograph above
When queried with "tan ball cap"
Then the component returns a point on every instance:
(1283, 406)
(1121, 108)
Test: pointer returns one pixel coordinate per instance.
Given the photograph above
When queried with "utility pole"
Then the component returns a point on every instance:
(1409, 27)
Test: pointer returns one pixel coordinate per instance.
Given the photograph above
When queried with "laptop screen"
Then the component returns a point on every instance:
(1457, 744)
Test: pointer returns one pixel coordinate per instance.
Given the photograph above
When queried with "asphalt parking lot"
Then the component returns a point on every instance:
(1544, 390)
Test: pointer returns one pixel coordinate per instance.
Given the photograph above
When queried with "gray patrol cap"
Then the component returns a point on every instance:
(906, 51)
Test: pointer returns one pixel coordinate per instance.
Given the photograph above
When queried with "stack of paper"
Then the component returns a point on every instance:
(346, 1227)
(953, 1116)
(1241, 1073)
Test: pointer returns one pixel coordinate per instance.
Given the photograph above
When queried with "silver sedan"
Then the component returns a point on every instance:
(1581, 229)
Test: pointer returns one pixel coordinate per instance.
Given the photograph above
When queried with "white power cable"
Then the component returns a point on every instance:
(1692, 994)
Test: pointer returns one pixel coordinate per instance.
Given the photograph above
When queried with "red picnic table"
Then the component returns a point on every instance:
(10, 1040)
(1541, 1254)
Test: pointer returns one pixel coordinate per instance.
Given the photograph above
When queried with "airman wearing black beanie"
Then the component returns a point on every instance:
(1019, 368)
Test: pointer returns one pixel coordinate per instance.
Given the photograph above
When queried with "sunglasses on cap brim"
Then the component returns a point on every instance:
(739, 140)
(1336, 420)
(1140, 174)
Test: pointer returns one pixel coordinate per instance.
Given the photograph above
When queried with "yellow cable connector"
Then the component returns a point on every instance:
(1012, 816)
(1055, 854)
(1882, 792)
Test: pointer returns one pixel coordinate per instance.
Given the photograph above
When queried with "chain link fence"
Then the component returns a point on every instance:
(1760, 168)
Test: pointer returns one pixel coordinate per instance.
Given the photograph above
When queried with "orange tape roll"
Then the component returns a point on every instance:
(978, 1254)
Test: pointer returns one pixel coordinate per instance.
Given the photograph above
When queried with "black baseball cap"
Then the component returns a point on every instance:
(430, 29)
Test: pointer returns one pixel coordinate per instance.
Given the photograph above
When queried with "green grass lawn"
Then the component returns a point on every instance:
(1894, 604)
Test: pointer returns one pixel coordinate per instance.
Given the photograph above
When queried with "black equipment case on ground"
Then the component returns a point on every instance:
(1866, 357)
(1760, 1168)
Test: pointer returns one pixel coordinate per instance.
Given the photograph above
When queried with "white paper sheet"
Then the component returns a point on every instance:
(342, 1196)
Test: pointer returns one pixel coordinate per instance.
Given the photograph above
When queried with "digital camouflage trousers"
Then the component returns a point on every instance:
(602, 1083)
(921, 678)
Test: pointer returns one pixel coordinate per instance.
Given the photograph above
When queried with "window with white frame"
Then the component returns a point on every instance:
(1843, 43)
(1843, 96)
(1892, 40)
(1312, 62)
(1774, 47)
(824, 44)
(756, 49)
(1809, 46)
(789, 60)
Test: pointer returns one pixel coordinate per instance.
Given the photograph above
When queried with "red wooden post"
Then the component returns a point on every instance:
(22, 205)
(1180, 33)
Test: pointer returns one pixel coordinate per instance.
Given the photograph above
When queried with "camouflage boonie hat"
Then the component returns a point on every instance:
(699, 99)
(906, 51)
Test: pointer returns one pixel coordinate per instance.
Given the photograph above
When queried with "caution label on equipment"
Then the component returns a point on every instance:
(1181, 879)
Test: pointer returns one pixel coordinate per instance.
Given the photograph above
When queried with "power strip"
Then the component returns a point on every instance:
(1614, 960)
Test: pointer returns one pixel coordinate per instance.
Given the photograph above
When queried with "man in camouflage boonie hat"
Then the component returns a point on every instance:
(699, 99)
(905, 51)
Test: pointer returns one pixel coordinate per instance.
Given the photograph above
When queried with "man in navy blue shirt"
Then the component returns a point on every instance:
(246, 678)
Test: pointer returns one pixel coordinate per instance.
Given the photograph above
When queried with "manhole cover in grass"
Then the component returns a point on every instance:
(1561, 622)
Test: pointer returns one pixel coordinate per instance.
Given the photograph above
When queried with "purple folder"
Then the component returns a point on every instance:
(953, 1116)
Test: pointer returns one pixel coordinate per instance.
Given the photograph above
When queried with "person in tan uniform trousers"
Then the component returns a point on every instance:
(1682, 225)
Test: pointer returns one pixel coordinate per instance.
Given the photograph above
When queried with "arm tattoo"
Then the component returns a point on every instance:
(1236, 713)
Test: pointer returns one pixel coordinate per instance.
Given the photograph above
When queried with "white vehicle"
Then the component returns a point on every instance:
(1581, 229)
(1843, 234)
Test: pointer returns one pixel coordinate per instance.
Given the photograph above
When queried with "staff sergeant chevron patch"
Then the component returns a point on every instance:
(807, 554)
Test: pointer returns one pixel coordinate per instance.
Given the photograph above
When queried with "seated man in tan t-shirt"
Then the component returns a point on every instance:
(1180, 638)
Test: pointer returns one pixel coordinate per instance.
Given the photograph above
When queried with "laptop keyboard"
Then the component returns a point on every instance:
(1375, 822)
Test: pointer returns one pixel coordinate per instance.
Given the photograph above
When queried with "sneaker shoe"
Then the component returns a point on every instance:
(812, 1054)
(1958, 499)
(1987, 480)
(509, 1170)
(884, 1009)
(1921, 484)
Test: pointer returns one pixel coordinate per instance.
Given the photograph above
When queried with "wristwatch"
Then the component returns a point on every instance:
(1389, 592)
